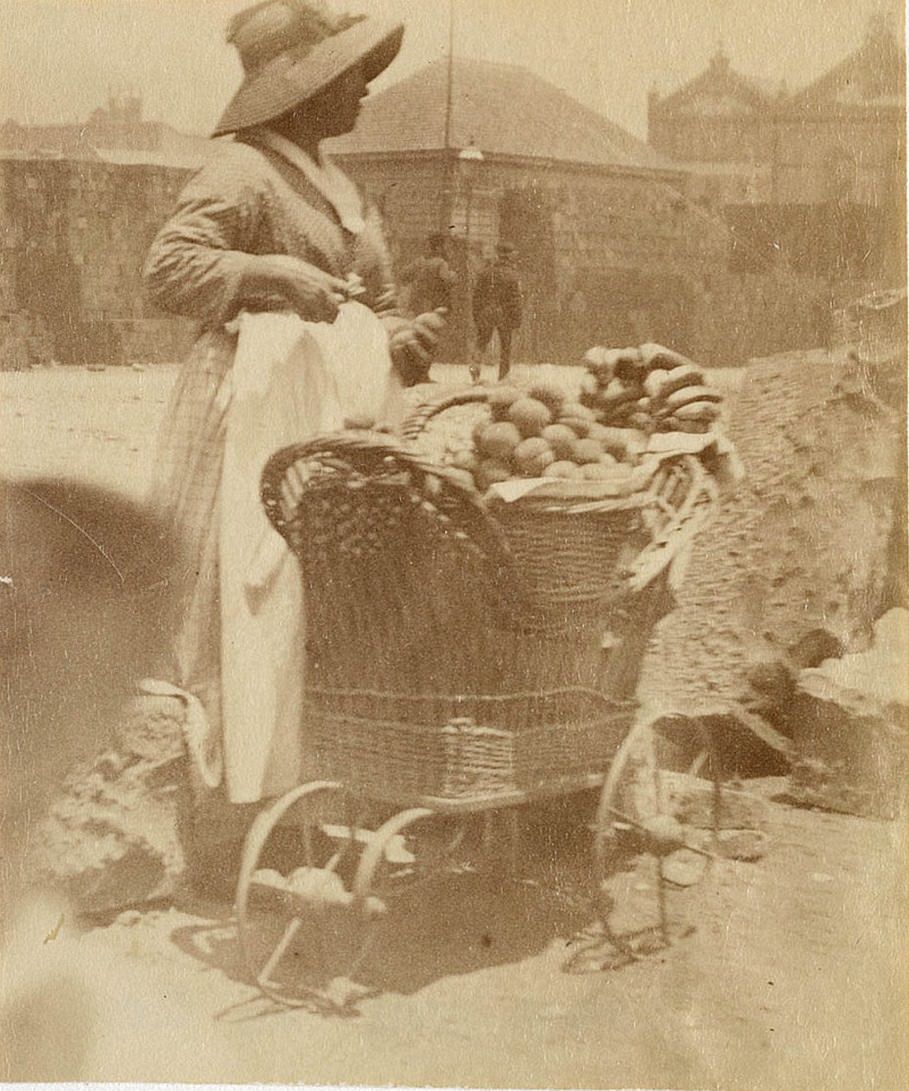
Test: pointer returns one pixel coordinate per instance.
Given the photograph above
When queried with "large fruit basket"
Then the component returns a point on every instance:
(468, 650)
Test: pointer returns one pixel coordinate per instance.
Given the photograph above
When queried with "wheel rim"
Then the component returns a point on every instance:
(367, 881)
(296, 927)
(638, 815)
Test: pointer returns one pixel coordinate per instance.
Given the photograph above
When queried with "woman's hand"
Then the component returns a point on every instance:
(413, 346)
(314, 294)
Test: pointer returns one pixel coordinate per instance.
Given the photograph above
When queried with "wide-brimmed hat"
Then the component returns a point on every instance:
(292, 49)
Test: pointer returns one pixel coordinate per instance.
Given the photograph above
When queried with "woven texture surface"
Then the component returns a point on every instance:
(509, 744)
(455, 652)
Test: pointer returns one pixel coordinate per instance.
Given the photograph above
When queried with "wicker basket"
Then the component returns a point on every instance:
(579, 544)
(406, 747)
(416, 589)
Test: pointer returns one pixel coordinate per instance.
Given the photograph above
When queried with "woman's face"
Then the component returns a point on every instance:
(331, 112)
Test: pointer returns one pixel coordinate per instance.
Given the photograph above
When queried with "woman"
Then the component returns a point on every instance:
(272, 225)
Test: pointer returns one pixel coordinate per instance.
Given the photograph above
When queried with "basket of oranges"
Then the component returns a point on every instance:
(594, 491)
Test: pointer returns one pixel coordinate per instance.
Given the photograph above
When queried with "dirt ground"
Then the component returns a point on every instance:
(787, 973)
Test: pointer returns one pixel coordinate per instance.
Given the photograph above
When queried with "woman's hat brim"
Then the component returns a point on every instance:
(285, 82)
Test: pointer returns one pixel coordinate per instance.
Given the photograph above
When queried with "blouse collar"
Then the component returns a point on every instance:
(325, 175)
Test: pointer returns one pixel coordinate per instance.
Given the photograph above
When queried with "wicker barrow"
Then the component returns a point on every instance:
(465, 660)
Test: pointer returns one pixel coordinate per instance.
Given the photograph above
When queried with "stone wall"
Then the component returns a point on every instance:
(734, 131)
(605, 256)
(75, 235)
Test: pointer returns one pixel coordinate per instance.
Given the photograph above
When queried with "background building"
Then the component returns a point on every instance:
(732, 234)
(816, 177)
(717, 127)
(115, 133)
(75, 234)
(607, 244)
(842, 138)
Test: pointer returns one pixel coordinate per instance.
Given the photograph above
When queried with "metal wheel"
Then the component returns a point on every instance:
(307, 927)
(646, 809)
(297, 927)
(392, 865)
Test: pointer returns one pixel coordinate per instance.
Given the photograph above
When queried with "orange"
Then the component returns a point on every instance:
(529, 416)
(599, 471)
(532, 456)
(586, 450)
(499, 440)
(500, 398)
(560, 438)
(564, 470)
(550, 395)
(577, 417)
(489, 472)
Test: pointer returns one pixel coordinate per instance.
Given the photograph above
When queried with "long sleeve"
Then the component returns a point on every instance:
(197, 261)
(375, 266)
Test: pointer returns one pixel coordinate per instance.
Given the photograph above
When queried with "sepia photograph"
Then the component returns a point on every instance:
(454, 587)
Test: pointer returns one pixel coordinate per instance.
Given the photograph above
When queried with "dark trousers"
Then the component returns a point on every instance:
(484, 335)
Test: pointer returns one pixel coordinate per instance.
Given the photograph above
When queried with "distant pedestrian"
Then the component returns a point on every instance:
(497, 307)
(430, 278)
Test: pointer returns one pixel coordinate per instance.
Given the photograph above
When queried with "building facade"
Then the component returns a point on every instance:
(817, 176)
(842, 138)
(606, 241)
(611, 249)
(717, 128)
(115, 133)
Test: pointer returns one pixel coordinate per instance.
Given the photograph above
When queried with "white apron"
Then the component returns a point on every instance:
(292, 380)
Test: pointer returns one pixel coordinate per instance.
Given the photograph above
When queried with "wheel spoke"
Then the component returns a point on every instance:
(661, 901)
(374, 854)
(290, 932)
(364, 950)
(334, 860)
(307, 845)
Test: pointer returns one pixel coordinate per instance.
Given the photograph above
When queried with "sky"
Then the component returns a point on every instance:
(59, 57)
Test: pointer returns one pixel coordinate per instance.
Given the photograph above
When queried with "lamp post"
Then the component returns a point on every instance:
(469, 160)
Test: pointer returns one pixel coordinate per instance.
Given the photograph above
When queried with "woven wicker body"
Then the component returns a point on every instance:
(464, 656)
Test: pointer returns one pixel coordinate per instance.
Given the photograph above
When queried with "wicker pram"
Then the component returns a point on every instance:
(461, 654)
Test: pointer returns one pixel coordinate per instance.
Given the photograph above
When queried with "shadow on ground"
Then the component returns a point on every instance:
(453, 924)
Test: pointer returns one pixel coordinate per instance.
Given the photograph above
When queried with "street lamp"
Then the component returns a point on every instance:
(469, 160)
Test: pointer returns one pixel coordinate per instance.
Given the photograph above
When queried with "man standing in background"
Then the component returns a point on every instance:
(430, 279)
(497, 307)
